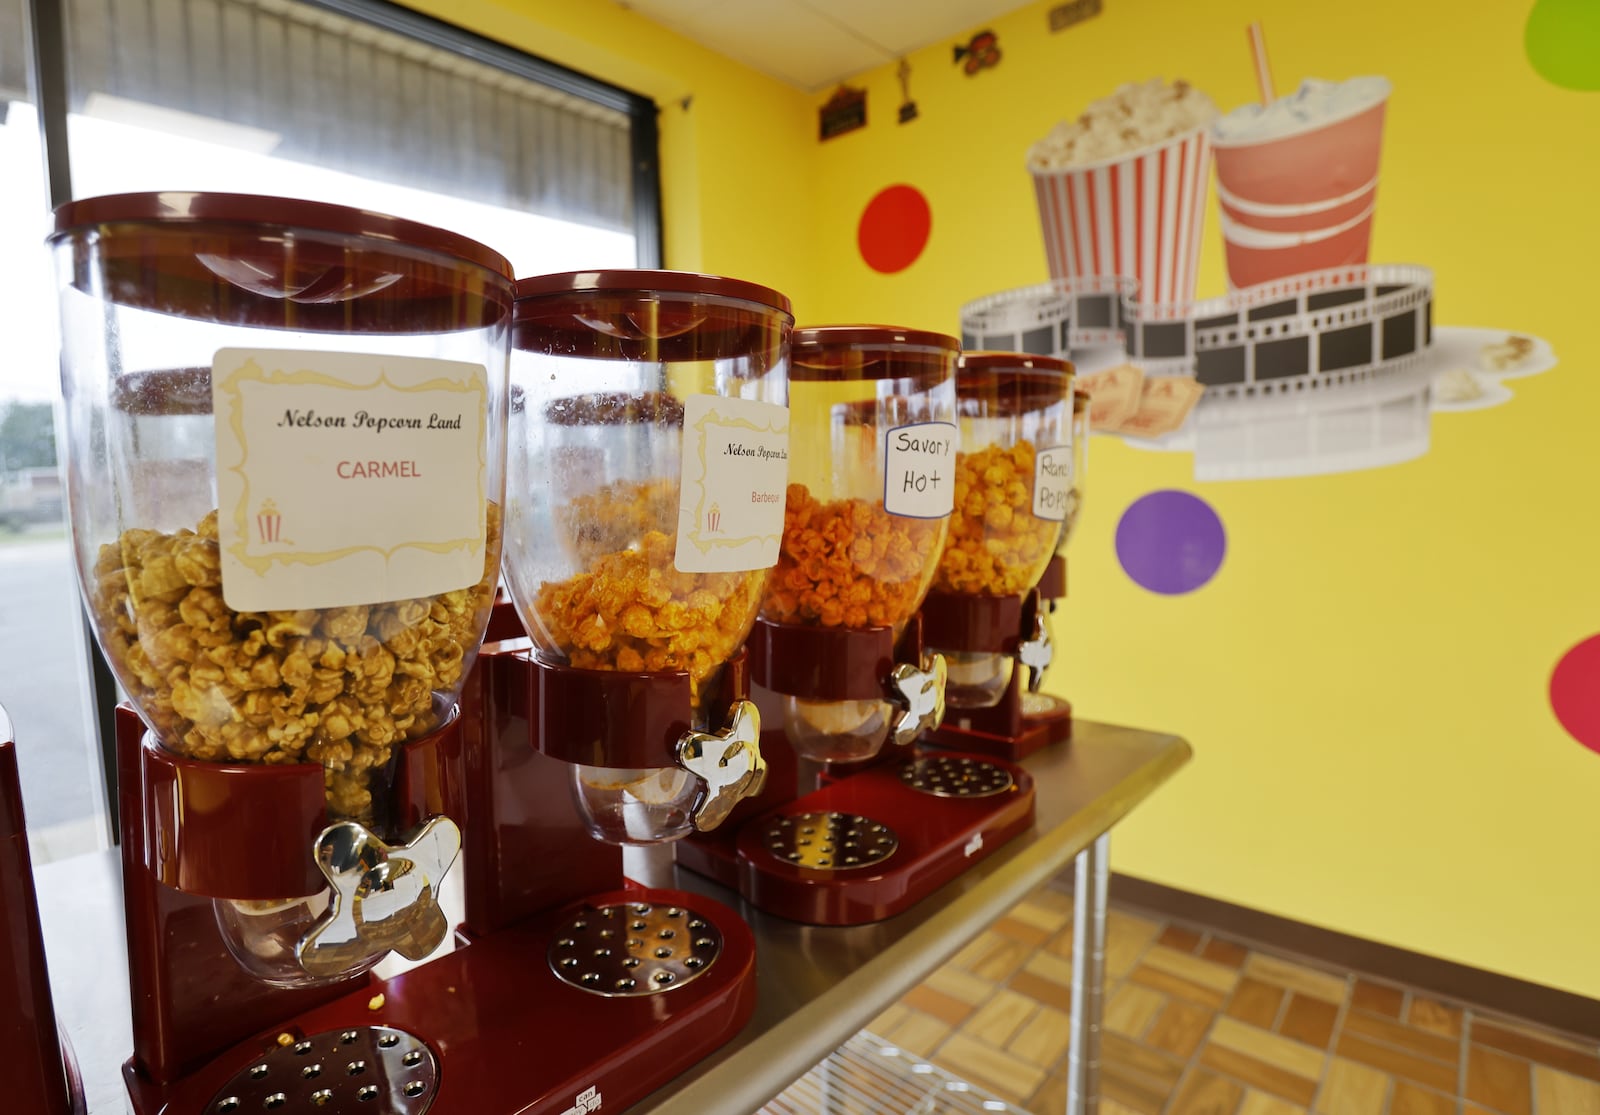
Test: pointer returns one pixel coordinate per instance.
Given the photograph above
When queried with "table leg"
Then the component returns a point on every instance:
(1088, 976)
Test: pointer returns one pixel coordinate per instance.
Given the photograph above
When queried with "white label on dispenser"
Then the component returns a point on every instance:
(1052, 482)
(735, 474)
(345, 478)
(919, 470)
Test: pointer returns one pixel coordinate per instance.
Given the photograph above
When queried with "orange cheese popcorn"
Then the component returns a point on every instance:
(849, 563)
(632, 610)
(610, 519)
(996, 547)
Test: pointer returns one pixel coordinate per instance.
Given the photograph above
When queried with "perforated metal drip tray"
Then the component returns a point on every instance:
(375, 1069)
(634, 949)
(946, 777)
(829, 841)
(869, 1076)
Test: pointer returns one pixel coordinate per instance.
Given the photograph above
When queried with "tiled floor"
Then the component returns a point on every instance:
(1196, 1024)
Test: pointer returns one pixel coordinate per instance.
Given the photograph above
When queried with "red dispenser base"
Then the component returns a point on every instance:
(510, 1038)
(938, 838)
(1006, 731)
(41, 1075)
(1020, 723)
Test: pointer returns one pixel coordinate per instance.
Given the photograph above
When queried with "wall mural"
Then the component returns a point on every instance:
(1317, 360)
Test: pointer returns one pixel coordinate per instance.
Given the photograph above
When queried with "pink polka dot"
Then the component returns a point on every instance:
(1575, 692)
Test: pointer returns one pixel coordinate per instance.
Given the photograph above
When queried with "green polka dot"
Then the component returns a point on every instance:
(1563, 43)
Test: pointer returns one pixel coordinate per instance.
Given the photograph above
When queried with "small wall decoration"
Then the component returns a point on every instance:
(894, 228)
(1065, 15)
(908, 107)
(845, 111)
(1562, 39)
(1171, 542)
(982, 52)
(1575, 692)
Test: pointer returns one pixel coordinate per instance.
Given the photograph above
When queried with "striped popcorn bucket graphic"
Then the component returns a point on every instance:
(1139, 215)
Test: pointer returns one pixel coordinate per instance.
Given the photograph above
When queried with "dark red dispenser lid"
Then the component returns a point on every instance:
(623, 281)
(1011, 382)
(1013, 361)
(281, 263)
(860, 352)
(815, 339)
(668, 316)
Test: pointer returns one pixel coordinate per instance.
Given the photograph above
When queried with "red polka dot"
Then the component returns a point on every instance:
(894, 229)
(1575, 692)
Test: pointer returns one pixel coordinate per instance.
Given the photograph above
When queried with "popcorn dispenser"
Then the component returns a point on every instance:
(648, 455)
(41, 1074)
(1014, 494)
(1040, 710)
(838, 644)
(872, 429)
(285, 457)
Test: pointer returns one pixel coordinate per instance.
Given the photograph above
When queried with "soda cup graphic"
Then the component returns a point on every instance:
(1297, 181)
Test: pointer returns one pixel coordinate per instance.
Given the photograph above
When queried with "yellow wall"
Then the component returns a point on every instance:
(736, 180)
(1365, 680)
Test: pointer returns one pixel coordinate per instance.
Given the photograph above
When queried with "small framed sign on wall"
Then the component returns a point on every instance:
(1065, 15)
(845, 111)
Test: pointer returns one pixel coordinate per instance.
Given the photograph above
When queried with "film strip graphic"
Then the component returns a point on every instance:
(1315, 332)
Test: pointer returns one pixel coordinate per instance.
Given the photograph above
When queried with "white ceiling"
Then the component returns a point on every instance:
(814, 44)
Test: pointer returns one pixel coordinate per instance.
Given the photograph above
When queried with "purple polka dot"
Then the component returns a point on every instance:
(1170, 542)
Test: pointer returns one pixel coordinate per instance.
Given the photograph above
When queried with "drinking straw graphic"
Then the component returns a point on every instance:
(1258, 49)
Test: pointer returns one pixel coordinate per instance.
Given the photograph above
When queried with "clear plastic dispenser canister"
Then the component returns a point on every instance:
(285, 466)
(1012, 496)
(648, 457)
(872, 461)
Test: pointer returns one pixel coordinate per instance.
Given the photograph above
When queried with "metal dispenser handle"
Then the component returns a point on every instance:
(919, 692)
(728, 762)
(1036, 652)
(384, 898)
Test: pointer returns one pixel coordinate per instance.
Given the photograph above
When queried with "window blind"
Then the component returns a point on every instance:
(346, 94)
(13, 52)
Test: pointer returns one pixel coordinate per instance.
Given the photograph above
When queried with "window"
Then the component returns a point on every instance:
(43, 680)
(351, 101)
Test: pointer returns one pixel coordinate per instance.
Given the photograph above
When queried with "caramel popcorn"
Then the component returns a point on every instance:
(633, 611)
(335, 686)
(997, 547)
(849, 563)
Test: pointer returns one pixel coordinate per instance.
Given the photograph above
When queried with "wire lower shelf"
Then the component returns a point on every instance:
(870, 1076)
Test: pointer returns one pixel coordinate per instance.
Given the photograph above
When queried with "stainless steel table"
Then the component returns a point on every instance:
(817, 986)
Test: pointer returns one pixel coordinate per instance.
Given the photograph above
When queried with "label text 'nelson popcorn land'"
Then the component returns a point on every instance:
(361, 420)
(760, 452)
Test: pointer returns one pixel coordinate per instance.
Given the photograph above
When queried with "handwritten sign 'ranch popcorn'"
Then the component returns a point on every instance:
(346, 479)
(1052, 482)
